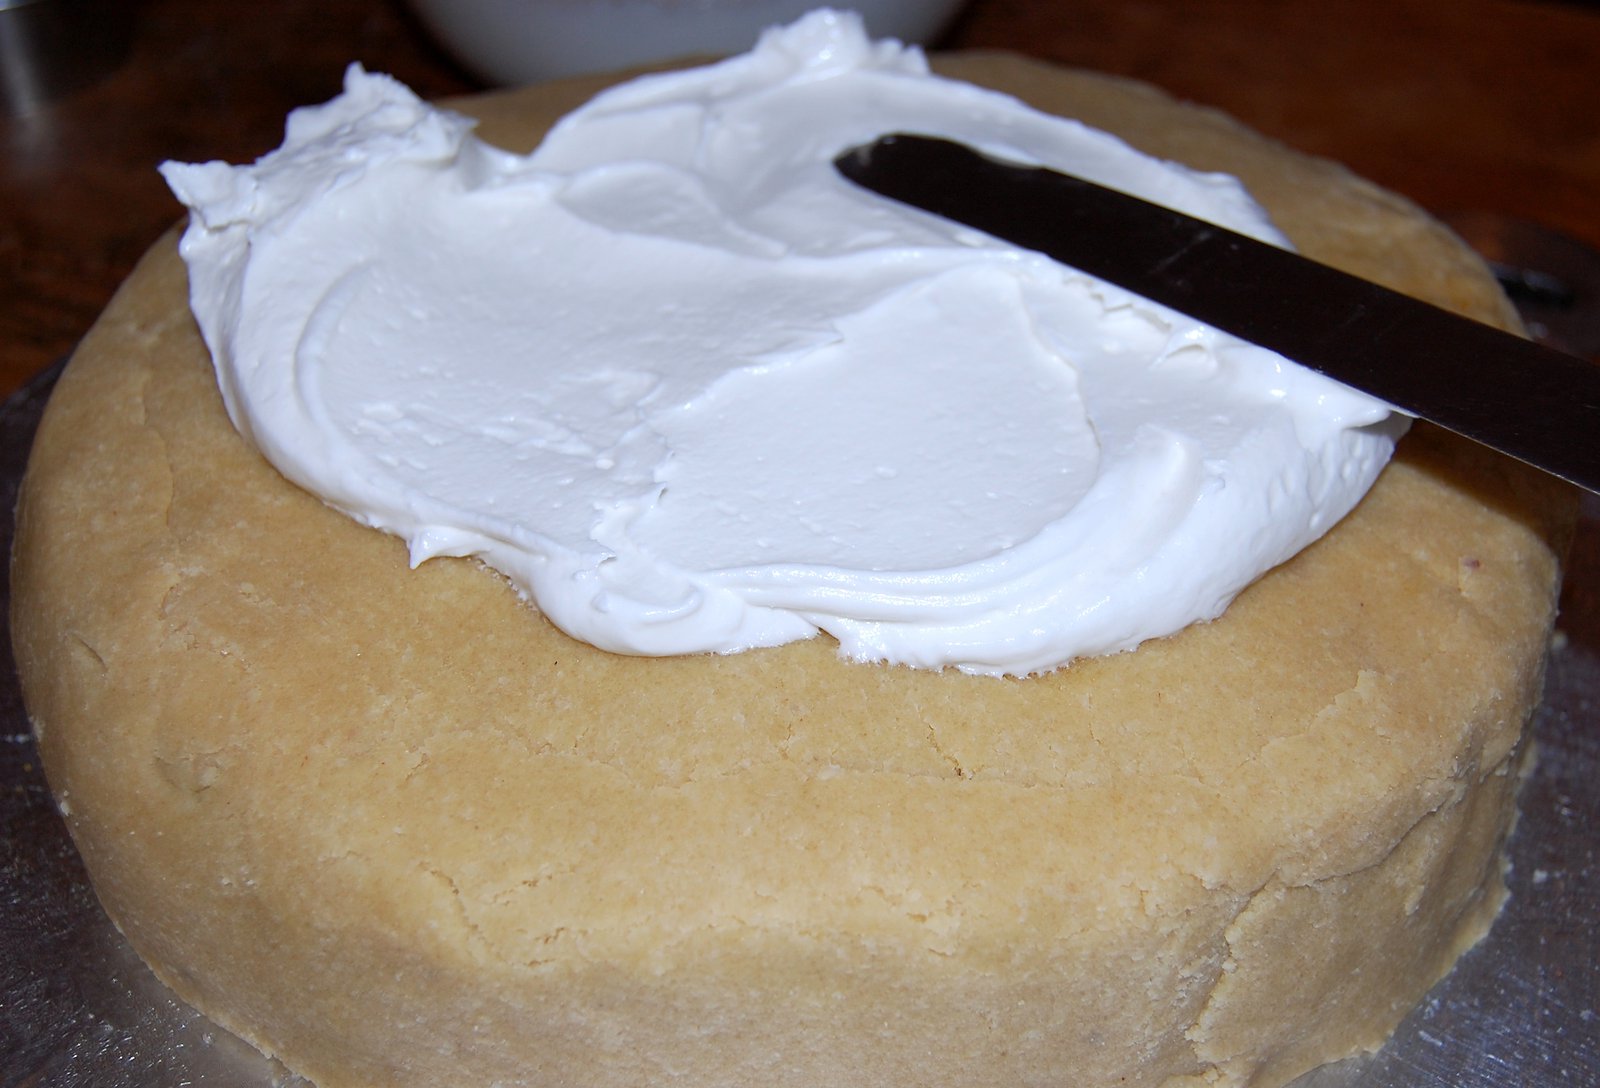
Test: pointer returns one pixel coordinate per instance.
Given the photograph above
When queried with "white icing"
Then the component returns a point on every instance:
(692, 391)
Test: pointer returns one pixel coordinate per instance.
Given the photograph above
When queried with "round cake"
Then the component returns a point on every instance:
(394, 828)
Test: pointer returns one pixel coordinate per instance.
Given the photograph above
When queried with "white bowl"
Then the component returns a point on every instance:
(523, 41)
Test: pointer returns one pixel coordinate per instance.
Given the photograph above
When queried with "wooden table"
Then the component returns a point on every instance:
(1460, 104)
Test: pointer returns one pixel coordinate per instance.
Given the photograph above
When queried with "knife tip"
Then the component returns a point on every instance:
(853, 161)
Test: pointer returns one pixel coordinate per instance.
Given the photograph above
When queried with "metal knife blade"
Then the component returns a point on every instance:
(1534, 403)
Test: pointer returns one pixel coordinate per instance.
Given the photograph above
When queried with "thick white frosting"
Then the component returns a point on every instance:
(691, 391)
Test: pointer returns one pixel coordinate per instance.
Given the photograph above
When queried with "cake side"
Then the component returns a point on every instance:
(299, 771)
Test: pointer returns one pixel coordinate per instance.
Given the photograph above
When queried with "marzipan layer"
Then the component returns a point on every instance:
(394, 828)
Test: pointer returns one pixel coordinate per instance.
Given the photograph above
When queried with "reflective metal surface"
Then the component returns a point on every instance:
(1512, 394)
(78, 1010)
(51, 48)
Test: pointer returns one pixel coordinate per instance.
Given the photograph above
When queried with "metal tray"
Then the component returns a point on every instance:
(79, 1010)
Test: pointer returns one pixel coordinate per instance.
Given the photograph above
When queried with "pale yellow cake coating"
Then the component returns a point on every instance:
(394, 828)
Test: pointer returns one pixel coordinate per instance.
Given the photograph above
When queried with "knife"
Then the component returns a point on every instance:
(1534, 403)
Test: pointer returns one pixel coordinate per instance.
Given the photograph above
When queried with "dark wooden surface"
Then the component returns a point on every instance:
(1489, 105)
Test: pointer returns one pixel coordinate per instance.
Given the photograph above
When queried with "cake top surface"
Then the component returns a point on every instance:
(693, 392)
